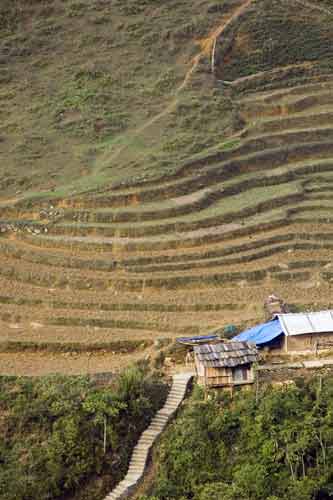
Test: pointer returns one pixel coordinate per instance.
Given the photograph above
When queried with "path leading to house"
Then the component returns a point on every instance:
(309, 364)
(141, 451)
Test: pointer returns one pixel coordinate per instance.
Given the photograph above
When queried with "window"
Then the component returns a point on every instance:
(240, 374)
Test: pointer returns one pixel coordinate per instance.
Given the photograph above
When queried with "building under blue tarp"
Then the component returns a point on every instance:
(261, 334)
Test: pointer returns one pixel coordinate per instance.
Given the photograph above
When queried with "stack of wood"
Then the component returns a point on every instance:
(275, 305)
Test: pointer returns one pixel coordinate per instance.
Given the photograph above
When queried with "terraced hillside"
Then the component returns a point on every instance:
(200, 245)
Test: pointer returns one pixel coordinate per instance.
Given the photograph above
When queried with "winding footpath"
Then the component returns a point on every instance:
(141, 451)
(207, 48)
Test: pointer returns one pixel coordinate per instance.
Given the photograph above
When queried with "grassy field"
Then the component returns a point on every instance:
(79, 78)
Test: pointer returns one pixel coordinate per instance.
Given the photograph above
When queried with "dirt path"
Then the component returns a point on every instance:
(207, 46)
(310, 5)
(41, 364)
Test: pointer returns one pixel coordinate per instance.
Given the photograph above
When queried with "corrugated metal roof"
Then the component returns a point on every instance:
(303, 323)
(226, 354)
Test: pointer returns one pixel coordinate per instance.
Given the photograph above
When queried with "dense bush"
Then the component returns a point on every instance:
(278, 447)
(276, 35)
(53, 429)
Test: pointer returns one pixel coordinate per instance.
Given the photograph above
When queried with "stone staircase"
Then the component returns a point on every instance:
(141, 451)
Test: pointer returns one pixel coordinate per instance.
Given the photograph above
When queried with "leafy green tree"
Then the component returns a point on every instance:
(276, 447)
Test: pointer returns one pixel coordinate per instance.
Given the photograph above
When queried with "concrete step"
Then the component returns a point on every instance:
(171, 407)
(143, 450)
(178, 395)
(140, 453)
(139, 459)
(160, 420)
(175, 400)
(136, 467)
(157, 426)
(133, 475)
(179, 389)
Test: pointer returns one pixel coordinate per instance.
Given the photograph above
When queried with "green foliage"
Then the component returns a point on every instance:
(276, 36)
(52, 431)
(279, 447)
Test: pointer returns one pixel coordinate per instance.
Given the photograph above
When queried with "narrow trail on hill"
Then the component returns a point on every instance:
(207, 46)
(310, 5)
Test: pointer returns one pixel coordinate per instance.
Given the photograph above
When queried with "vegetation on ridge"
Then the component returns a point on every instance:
(53, 430)
(277, 446)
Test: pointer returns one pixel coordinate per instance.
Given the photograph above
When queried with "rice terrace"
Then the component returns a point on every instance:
(165, 167)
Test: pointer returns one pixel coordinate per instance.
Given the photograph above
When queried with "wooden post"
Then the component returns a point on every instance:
(257, 384)
(104, 439)
(213, 56)
(205, 384)
(320, 386)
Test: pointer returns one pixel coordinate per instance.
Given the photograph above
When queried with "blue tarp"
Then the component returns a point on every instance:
(261, 334)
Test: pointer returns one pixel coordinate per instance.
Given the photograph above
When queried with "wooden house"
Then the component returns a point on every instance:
(225, 364)
(307, 332)
(293, 333)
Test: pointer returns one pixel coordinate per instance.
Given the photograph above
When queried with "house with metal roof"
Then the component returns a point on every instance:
(293, 332)
(225, 364)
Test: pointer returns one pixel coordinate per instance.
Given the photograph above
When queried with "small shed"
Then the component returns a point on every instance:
(225, 364)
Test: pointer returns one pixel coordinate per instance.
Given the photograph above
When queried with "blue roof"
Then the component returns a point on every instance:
(261, 334)
(197, 340)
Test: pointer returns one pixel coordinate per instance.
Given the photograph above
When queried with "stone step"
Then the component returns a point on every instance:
(157, 426)
(177, 400)
(135, 467)
(151, 433)
(163, 420)
(135, 471)
(133, 475)
(139, 460)
(179, 393)
(149, 438)
(172, 403)
(142, 448)
(171, 407)
(140, 453)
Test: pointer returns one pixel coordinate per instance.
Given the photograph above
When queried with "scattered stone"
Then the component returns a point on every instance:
(168, 361)
(161, 342)
(36, 325)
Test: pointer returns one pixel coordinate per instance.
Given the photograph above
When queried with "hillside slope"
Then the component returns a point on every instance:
(209, 188)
